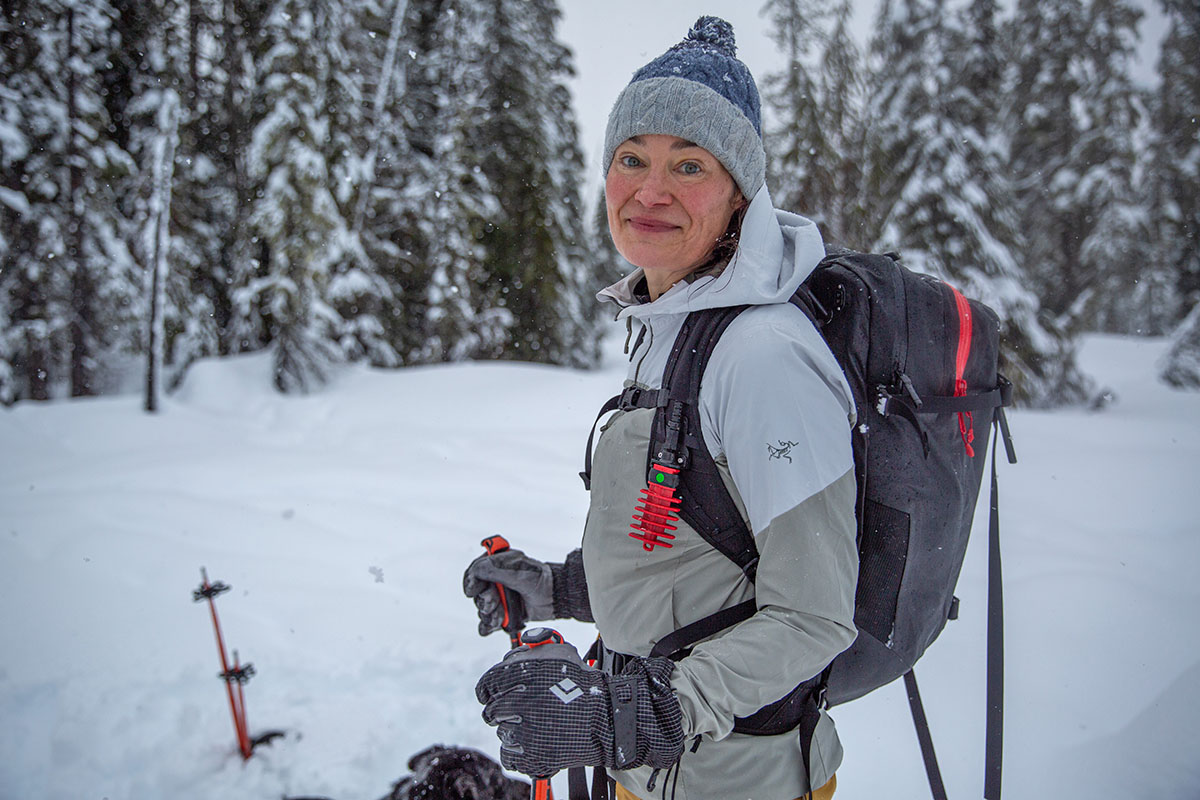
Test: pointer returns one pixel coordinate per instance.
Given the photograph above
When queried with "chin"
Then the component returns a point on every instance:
(656, 262)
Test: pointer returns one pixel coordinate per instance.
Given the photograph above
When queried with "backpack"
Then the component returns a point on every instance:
(922, 363)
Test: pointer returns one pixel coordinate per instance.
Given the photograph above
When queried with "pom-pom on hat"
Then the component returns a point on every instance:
(699, 91)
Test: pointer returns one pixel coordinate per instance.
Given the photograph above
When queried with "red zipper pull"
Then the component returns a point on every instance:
(966, 424)
(966, 428)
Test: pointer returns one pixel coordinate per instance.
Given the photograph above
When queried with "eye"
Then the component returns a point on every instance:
(690, 168)
(629, 160)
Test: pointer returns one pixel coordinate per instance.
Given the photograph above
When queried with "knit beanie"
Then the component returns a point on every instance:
(699, 91)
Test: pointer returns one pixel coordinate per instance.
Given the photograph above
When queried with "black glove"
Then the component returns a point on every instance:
(553, 712)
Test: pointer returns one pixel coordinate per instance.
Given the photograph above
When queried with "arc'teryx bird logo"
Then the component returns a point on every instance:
(783, 451)
(566, 690)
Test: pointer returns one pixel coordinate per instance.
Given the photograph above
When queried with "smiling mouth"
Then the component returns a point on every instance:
(649, 225)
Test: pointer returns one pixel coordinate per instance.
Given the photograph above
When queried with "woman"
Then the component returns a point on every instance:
(687, 205)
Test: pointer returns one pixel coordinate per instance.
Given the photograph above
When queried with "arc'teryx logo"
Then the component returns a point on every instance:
(566, 690)
(783, 451)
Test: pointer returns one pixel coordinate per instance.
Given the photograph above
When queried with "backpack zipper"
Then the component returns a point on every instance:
(966, 424)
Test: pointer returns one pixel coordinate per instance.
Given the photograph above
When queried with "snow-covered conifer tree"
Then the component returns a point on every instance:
(69, 281)
(955, 216)
(401, 221)
(105, 280)
(1175, 156)
(576, 341)
(32, 288)
(196, 45)
(816, 151)
(803, 149)
(153, 58)
(1071, 127)
(1047, 79)
(901, 119)
(1181, 367)
(394, 212)
(458, 201)
(215, 240)
(521, 136)
(365, 76)
(842, 91)
(1175, 183)
(300, 229)
(1126, 291)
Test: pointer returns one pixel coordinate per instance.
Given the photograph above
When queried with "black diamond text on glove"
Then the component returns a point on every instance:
(553, 712)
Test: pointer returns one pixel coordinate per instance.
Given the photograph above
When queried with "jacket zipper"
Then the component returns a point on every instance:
(649, 342)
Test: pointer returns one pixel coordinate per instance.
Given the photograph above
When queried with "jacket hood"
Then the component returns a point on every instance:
(776, 251)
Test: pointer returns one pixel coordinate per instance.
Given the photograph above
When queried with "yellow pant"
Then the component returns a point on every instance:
(824, 793)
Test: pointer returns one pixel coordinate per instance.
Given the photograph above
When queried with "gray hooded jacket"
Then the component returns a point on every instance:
(776, 414)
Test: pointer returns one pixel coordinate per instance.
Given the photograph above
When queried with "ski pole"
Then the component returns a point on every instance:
(510, 625)
(240, 674)
(498, 544)
(209, 591)
(536, 637)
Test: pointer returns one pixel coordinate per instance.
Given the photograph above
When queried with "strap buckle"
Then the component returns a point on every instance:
(639, 397)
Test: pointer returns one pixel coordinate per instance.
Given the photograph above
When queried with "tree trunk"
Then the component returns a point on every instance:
(37, 367)
(82, 291)
(160, 218)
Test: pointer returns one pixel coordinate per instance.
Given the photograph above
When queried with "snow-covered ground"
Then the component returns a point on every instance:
(343, 522)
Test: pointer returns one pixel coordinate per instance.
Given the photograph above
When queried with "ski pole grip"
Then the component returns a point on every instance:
(536, 637)
(495, 544)
(510, 625)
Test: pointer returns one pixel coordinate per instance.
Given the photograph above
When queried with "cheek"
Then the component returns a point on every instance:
(612, 218)
(616, 193)
(616, 190)
(714, 209)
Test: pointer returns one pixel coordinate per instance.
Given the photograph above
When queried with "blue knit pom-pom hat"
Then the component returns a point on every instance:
(699, 91)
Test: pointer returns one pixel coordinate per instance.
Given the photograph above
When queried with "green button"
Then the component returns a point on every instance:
(660, 477)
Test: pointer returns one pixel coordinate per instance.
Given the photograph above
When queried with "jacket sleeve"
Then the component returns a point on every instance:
(776, 410)
(571, 599)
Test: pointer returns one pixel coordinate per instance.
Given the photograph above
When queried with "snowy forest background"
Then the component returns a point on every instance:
(400, 182)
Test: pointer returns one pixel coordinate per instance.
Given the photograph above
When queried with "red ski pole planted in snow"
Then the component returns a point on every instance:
(239, 674)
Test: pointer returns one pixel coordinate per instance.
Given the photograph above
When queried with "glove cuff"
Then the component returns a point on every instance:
(659, 724)
(570, 589)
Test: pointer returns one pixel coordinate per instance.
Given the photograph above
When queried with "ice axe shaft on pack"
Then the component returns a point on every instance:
(512, 626)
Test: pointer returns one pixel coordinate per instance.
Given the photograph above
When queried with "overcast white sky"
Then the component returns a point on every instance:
(611, 39)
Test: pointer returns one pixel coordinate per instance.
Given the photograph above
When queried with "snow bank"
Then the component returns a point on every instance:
(343, 521)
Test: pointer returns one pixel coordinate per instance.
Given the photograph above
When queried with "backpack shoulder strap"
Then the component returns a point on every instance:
(676, 441)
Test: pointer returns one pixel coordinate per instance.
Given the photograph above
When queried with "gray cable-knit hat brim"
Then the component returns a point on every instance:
(692, 111)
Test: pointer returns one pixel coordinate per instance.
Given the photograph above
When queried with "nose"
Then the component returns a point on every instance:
(654, 189)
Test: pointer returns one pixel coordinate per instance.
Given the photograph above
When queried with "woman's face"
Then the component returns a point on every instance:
(669, 201)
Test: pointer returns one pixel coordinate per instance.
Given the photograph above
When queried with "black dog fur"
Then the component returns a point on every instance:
(456, 773)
